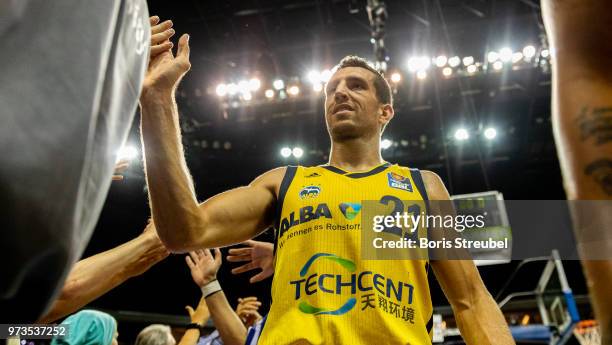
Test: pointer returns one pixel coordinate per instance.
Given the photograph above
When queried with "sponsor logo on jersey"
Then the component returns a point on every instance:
(314, 174)
(350, 210)
(310, 192)
(304, 215)
(399, 182)
(350, 284)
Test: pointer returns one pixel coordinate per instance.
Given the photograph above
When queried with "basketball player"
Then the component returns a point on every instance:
(323, 292)
(581, 42)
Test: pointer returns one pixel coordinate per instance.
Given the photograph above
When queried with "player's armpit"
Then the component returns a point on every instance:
(238, 214)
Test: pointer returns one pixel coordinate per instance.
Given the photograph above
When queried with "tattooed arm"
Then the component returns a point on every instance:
(581, 40)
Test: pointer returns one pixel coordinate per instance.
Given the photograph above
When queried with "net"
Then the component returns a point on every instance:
(587, 332)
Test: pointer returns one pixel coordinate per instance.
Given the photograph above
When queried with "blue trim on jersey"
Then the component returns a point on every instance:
(374, 171)
(287, 179)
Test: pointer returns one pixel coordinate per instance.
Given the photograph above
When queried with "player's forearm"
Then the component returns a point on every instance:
(173, 202)
(226, 321)
(190, 337)
(481, 322)
(92, 277)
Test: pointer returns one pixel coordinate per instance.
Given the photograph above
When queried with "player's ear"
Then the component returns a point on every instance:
(386, 114)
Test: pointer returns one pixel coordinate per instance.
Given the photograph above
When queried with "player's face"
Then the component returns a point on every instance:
(351, 106)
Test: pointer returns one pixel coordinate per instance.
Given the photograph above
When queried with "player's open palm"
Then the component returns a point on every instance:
(258, 255)
(166, 70)
(203, 265)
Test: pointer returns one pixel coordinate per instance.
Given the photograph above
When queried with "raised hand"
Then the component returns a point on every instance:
(120, 167)
(165, 70)
(201, 314)
(259, 255)
(203, 265)
(247, 310)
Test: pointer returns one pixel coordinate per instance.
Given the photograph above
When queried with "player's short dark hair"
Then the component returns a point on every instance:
(383, 90)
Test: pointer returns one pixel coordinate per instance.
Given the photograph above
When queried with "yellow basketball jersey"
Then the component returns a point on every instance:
(323, 292)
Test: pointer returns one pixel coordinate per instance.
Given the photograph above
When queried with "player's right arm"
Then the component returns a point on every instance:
(182, 223)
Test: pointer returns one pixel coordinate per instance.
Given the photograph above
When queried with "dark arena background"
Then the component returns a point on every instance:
(472, 89)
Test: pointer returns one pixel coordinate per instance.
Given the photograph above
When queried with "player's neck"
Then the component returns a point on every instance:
(356, 155)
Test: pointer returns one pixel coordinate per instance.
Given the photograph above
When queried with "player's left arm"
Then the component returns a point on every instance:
(478, 317)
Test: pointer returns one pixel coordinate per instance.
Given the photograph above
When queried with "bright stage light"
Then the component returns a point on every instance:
(472, 69)
(505, 54)
(127, 153)
(490, 133)
(454, 61)
(462, 134)
(517, 57)
(278, 84)
(468, 60)
(529, 51)
(285, 152)
(447, 71)
(416, 63)
(254, 84)
(396, 77)
(318, 87)
(314, 77)
(221, 90)
(498, 65)
(492, 57)
(232, 89)
(243, 86)
(297, 152)
(385, 144)
(545, 53)
(293, 90)
(325, 75)
(441, 61)
(421, 75)
(269, 93)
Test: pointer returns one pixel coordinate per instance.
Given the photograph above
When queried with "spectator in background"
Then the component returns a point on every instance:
(94, 276)
(260, 255)
(89, 327)
(155, 335)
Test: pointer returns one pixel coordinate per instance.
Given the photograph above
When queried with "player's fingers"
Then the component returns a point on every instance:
(190, 262)
(183, 47)
(194, 257)
(248, 299)
(162, 36)
(234, 258)
(258, 277)
(243, 268)
(117, 177)
(217, 255)
(161, 27)
(189, 310)
(160, 48)
(153, 20)
(240, 251)
(250, 243)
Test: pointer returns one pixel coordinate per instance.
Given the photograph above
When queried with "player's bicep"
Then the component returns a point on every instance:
(241, 213)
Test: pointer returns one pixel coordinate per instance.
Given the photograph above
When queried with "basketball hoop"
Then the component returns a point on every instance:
(587, 332)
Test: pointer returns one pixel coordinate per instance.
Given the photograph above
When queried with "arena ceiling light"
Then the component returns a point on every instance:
(441, 61)
(221, 90)
(293, 90)
(314, 77)
(326, 75)
(254, 84)
(462, 134)
(247, 96)
(127, 152)
(498, 65)
(421, 75)
(468, 60)
(418, 63)
(269, 93)
(517, 57)
(385, 144)
(545, 53)
(318, 87)
(492, 56)
(297, 152)
(490, 133)
(243, 86)
(454, 61)
(472, 69)
(278, 84)
(529, 51)
(396, 77)
(447, 71)
(505, 54)
(285, 152)
(232, 89)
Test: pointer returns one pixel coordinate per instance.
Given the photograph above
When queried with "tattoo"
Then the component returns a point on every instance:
(601, 170)
(595, 123)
